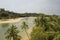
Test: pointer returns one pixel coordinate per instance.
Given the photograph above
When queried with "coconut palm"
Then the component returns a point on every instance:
(37, 21)
(12, 33)
(25, 27)
(41, 21)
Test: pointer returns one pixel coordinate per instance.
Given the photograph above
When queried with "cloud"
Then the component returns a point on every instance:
(44, 6)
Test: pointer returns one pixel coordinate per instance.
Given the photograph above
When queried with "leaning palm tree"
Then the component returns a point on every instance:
(37, 21)
(12, 33)
(40, 20)
(25, 27)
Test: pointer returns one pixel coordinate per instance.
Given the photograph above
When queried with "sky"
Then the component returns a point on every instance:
(32, 6)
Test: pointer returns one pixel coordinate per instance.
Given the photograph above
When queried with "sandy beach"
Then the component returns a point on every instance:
(10, 20)
(17, 20)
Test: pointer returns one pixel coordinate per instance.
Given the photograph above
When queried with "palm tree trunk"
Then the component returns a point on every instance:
(14, 38)
(27, 34)
(10, 38)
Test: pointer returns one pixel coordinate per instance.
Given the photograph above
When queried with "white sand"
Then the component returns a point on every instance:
(10, 20)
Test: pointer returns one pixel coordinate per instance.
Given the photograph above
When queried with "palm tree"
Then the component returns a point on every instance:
(37, 21)
(25, 27)
(12, 33)
(41, 21)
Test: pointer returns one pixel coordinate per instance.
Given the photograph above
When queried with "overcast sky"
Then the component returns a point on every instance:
(38, 6)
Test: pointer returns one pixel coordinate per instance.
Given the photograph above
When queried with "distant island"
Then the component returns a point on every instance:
(4, 14)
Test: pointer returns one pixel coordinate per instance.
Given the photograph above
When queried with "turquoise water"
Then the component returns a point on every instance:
(4, 27)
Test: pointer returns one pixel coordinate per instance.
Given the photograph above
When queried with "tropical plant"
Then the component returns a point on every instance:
(12, 33)
(24, 26)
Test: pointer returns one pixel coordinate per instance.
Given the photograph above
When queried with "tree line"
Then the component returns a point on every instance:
(5, 14)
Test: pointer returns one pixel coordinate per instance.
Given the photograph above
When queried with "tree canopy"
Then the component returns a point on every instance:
(47, 28)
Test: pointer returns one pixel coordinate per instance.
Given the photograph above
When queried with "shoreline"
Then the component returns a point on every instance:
(10, 20)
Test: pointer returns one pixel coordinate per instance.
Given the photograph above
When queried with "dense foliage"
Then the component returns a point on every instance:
(9, 14)
(47, 28)
(12, 33)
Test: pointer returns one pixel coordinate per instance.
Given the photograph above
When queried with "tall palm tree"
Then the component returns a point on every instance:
(41, 21)
(37, 21)
(12, 33)
(25, 27)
